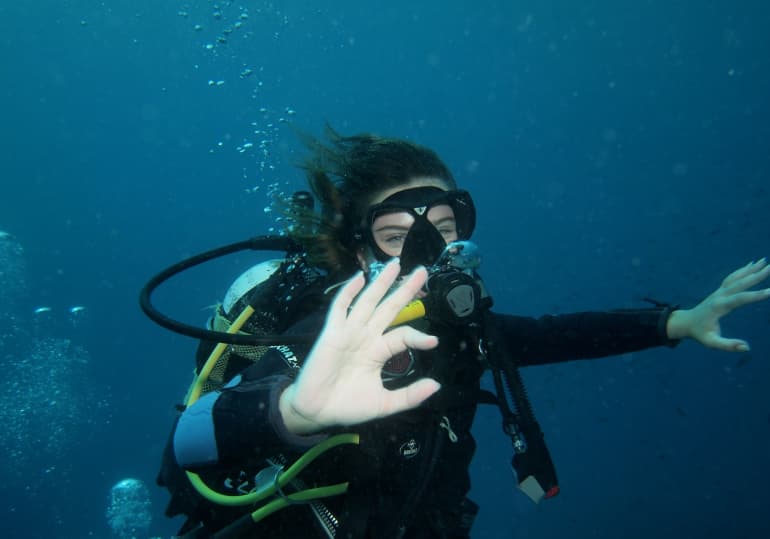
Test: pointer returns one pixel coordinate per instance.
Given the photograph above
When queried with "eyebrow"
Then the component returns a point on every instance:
(401, 228)
(397, 228)
(443, 220)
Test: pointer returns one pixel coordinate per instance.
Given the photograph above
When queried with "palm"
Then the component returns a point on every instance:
(340, 383)
(733, 293)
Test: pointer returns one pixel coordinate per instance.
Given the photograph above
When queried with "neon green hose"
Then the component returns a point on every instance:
(284, 477)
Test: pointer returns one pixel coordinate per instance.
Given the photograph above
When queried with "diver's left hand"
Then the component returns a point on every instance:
(702, 321)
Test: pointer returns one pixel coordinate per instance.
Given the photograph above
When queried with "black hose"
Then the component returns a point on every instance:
(258, 243)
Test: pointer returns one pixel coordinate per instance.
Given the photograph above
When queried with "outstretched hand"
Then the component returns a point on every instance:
(340, 382)
(702, 321)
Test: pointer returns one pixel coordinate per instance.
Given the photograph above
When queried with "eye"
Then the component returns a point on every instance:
(395, 240)
(448, 230)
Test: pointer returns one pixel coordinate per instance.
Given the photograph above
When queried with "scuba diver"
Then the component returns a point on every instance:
(335, 388)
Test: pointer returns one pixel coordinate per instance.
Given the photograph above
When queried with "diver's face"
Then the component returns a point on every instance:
(390, 229)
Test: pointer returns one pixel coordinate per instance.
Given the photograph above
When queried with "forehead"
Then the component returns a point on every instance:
(422, 181)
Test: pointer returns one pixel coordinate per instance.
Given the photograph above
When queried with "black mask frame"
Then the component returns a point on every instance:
(417, 202)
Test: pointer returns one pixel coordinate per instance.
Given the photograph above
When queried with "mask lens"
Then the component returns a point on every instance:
(388, 223)
(389, 229)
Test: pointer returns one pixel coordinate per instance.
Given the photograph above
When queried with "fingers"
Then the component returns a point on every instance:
(752, 269)
(405, 337)
(408, 397)
(744, 298)
(338, 311)
(752, 279)
(396, 301)
(367, 301)
(371, 310)
(733, 292)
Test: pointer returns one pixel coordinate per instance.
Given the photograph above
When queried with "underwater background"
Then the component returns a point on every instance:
(615, 150)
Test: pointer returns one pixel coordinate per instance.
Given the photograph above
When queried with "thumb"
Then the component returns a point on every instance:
(728, 345)
(409, 397)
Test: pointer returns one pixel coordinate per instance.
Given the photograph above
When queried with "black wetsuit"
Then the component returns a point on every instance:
(409, 476)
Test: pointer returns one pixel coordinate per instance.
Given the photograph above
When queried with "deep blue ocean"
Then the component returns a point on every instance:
(615, 150)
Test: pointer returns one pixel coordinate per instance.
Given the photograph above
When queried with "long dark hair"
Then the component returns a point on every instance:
(344, 174)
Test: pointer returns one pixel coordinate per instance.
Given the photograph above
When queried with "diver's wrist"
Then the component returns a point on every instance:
(294, 422)
(678, 324)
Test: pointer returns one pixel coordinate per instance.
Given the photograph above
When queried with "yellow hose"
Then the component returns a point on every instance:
(285, 477)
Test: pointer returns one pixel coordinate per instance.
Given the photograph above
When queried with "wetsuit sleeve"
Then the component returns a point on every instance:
(551, 339)
(243, 420)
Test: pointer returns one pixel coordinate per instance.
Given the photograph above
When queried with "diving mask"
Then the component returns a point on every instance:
(417, 240)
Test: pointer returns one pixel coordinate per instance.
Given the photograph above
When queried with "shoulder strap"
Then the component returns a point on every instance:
(289, 290)
(531, 461)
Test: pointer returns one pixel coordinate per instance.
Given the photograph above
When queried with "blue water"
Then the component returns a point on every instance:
(616, 150)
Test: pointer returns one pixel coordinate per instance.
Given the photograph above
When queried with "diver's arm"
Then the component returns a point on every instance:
(552, 339)
(242, 420)
(339, 383)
